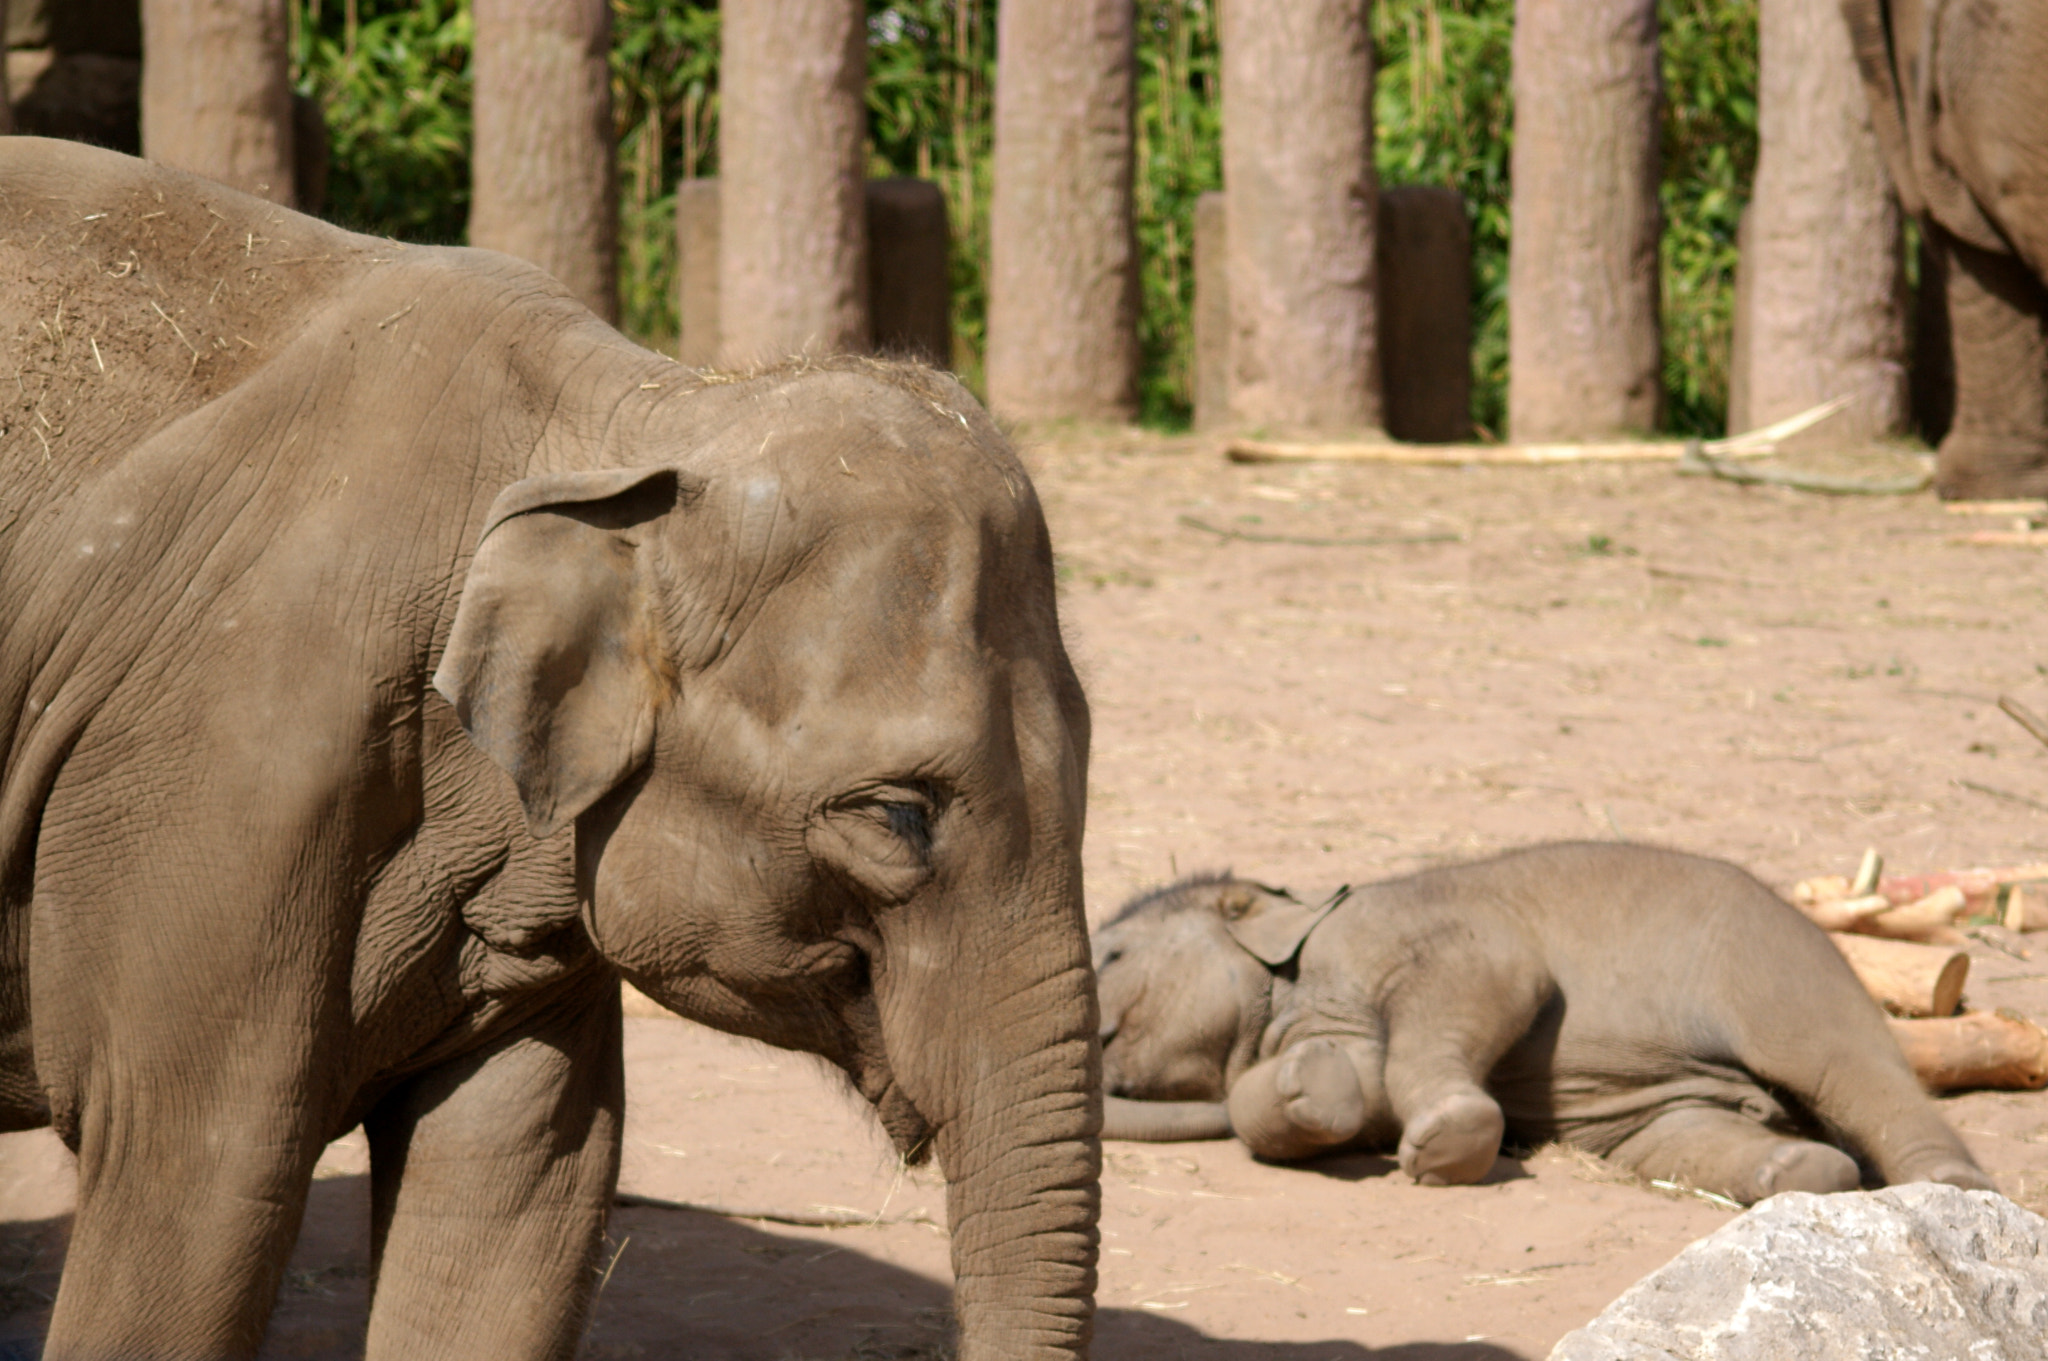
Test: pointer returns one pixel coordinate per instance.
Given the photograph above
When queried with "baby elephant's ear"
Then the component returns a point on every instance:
(1269, 922)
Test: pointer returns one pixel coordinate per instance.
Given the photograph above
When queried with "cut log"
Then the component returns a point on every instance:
(2026, 907)
(1997, 1049)
(1907, 978)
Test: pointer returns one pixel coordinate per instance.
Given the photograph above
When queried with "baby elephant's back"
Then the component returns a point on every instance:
(1655, 954)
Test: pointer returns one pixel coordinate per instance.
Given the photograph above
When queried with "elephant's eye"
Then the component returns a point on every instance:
(881, 837)
(912, 822)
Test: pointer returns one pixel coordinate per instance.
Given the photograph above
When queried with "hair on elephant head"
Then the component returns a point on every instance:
(1185, 980)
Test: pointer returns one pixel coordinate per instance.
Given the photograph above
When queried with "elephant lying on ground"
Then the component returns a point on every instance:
(1955, 96)
(1662, 1010)
(391, 656)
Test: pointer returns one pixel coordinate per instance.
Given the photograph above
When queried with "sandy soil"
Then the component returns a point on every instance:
(1596, 651)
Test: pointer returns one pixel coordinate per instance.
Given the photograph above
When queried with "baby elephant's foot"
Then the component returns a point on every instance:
(1320, 1092)
(1955, 1172)
(1454, 1142)
(1803, 1165)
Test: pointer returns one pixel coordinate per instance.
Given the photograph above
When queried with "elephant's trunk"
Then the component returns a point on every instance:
(1011, 1084)
(1164, 1122)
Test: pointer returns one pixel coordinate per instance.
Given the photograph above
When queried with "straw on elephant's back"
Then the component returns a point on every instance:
(135, 295)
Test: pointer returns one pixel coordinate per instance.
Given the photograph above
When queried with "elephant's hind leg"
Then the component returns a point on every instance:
(1314, 1096)
(1728, 1153)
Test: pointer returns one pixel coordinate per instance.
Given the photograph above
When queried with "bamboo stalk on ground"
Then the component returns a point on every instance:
(1751, 444)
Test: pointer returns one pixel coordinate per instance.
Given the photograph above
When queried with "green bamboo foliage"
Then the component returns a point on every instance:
(393, 77)
(1709, 144)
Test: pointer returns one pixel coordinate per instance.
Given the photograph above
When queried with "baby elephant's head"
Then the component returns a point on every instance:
(1185, 977)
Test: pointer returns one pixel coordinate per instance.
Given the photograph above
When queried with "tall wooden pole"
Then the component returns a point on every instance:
(793, 248)
(1300, 214)
(543, 186)
(1823, 310)
(216, 92)
(1063, 268)
(1584, 354)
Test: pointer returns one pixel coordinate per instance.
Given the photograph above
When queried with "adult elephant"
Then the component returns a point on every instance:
(1956, 98)
(765, 707)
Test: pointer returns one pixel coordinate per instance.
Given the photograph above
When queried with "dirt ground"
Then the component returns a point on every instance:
(1592, 651)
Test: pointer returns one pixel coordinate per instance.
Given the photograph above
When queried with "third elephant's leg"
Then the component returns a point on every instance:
(1997, 446)
(1728, 1153)
(491, 1178)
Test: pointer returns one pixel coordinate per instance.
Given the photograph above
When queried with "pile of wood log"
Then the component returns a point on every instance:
(1902, 935)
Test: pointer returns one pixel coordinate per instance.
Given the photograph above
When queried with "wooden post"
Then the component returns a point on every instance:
(910, 293)
(793, 246)
(909, 288)
(1584, 357)
(1823, 310)
(1300, 207)
(542, 184)
(1423, 269)
(1063, 252)
(6, 102)
(216, 92)
(1425, 313)
(697, 267)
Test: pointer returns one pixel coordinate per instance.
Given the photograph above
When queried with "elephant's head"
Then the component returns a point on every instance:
(794, 674)
(1185, 976)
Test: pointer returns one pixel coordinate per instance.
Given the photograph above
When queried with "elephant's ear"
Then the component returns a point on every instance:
(553, 663)
(1270, 923)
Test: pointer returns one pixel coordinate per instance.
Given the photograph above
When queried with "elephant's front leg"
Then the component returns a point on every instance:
(190, 1197)
(491, 1179)
(1997, 446)
(1447, 1025)
(1316, 1095)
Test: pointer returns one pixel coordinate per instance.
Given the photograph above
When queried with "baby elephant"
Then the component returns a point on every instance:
(1662, 1010)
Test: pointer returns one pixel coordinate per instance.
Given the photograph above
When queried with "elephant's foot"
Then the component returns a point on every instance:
(1950, 1171)
(1801, 1165)
(1319, 1090)
(1984, 466)
(1730, 1154)
(1454, 1141)
(1304, 1102)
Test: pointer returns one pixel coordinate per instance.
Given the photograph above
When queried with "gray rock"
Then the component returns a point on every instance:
(1926, 1272)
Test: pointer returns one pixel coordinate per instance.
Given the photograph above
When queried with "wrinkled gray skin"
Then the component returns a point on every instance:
(1665, 1011)
(766, 709)
(1956, 97)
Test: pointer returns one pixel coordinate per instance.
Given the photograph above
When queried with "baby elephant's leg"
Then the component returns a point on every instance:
(1312, 1097)
(1728, 1153)
(1446, 1029)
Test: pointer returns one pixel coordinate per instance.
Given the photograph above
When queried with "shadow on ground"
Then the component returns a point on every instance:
(679, 1284)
